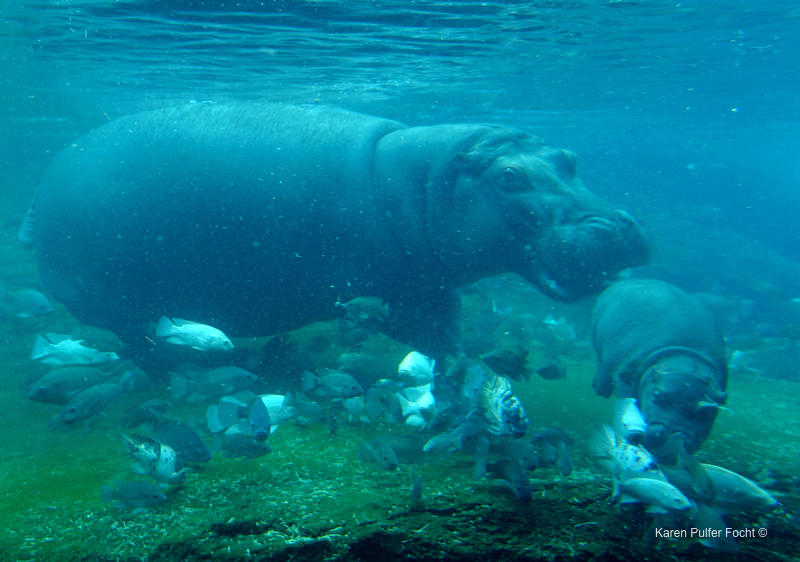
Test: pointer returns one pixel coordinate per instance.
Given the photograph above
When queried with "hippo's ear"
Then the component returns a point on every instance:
(472, 163)
(464, 163)
(570, 162)
(564, 162)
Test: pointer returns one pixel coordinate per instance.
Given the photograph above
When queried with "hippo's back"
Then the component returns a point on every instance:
(193, 210)
(636, 318)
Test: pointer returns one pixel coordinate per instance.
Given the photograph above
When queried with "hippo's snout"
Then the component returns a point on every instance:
(584, 256)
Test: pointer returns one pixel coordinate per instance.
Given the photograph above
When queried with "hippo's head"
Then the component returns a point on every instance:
(518, 205)
(679, 397)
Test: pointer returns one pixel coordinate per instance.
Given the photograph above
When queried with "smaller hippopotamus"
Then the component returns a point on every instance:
(659, 345)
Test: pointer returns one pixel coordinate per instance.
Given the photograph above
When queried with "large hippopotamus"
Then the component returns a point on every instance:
(660, 345)
(258, 218)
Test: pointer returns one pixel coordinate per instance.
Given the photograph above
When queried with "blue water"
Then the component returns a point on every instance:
(665, 102)
(684, 113)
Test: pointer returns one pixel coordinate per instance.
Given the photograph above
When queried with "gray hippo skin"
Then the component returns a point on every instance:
(258, 218)
(660, 345)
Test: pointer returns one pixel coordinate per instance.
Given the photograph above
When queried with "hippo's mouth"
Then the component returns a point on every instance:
(582, 258)
(668, 439)
(549, 284)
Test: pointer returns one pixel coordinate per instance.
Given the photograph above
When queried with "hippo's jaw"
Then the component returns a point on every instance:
(581, 258)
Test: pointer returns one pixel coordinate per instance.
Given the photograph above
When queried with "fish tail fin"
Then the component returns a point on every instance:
(128, 380)
(183, 471)
(165, 327)
(703, 484)
(229, 412)
(106, 493)
(386, 311)
(41, 348)
(217, 441)
(137, 468)
(212, 419)
(479, 471)
(440, 444)
(179, 386)
(408, 407)
(310, 381)
(616, 494)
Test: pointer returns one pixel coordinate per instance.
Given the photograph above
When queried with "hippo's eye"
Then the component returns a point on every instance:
(511, 180)
(664, 399)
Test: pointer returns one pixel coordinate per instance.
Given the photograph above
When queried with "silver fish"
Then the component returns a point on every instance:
(238, 441)
(198, 336)
(552, 446)
(25, 303)
(61, 349)
(183, 439)
(145, 413)
(649, 488)
(629, 421)
(132, 495)
(356, 409)
(393, 449)
(512, 475)
(91, 401)
(364, 309)
(59, 385)
(333, 384)
(735, 492)
(521, 452)
(552, 368)
(280, 407)
(727, 490)
(417, 404)
(201, 385)
(263, 418)
(560, 327)
(416, 369)
(509, 363)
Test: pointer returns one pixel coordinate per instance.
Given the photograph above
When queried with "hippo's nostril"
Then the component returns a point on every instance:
(598, 222)
(625, 217)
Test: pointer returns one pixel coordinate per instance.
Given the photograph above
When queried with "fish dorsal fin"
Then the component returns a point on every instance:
(484, 394)
(58, 338)
(25, 234)
(181, 322)
(491, 386)
(602, 441)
